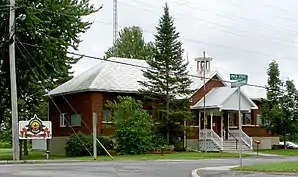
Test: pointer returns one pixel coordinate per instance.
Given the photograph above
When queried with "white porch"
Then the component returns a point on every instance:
(217, 131)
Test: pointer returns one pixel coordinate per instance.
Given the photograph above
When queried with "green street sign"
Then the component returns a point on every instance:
(238, 77)
(241, 79)
(238, 83)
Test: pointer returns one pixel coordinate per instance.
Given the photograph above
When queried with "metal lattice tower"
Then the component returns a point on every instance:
(115, 21)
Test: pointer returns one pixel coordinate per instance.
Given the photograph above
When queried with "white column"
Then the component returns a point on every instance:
(228, 120)
(211, 117)
(222, 125)
(199, 120)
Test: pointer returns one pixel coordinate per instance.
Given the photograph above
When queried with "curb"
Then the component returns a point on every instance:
(194, 173)
(42, 161)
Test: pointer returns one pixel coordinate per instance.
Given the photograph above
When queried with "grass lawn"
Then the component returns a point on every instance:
(290, 167)
(5, 154)
(285, 152)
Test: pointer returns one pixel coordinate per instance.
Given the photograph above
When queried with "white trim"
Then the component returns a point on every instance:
(197, 107)
(246, 96)
(62, 120)
(106, 122)
(216, 73)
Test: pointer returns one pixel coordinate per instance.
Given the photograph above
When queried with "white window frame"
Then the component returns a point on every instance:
(244, 118)
(62, 120)
(103, 116)
(259, 119)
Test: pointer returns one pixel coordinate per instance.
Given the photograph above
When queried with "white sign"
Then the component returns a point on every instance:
(39, 144)
(35, 129)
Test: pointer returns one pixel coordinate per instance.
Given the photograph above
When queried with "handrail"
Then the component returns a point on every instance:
(217, 139)
(234, 138)
(246, 139)
(211, 135)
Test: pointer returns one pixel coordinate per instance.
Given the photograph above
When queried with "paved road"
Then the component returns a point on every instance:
(124, 169)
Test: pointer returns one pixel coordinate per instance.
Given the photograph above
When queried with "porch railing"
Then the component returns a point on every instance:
(246, 139)
(211, 135)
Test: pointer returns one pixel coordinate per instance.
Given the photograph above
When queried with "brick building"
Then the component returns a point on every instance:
(76, 100)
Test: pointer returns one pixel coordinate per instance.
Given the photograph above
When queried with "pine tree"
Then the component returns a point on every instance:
(167, 74)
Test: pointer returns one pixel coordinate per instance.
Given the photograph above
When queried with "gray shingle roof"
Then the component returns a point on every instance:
(110, 76)
(220, 96)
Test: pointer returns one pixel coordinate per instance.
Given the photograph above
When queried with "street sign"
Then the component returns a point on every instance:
(35, 128)
(241, 79)
(238, 77)
(238, 83)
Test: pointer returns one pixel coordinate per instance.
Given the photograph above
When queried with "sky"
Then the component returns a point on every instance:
(241, 36)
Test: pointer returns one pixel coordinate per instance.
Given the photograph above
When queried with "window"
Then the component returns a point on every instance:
(105, 116)
(232, 119)
(246, 119)
(62, 120)
(259, 120)
(75, 120)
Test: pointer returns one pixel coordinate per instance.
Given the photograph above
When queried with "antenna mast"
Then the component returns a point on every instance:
(115, 21)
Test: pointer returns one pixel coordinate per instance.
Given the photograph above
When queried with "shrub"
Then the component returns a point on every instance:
(79, 144)
(133, 126)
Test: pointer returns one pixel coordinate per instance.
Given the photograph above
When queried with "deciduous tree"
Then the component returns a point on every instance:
(53, 26)
(131, 44)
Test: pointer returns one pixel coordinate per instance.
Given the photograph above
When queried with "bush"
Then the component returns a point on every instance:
(133, 126)
(79, 143)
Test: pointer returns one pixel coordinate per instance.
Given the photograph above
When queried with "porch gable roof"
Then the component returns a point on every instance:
(225, 98)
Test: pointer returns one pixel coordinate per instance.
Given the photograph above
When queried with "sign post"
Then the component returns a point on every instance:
(35, 129)
(241, 80)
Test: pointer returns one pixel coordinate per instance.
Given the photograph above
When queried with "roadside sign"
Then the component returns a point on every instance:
(241, 79)
(35, 128)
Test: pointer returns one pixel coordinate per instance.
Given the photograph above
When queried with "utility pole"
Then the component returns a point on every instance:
(240, 126)
(205, 137)
(115, 24)
(13, 84)
(94, 135)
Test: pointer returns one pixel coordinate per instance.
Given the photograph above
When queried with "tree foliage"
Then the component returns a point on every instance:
(55, 27)
(131, 44)
(279, 111)
(133, 126)
(167, 73)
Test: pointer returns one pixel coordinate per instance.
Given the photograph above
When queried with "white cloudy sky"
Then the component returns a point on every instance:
(242, 36)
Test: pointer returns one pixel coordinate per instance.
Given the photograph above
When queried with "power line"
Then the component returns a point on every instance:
(216, 25)
(50, 96)
(60, 94)
(186, 39)
(225, 29)
(133, 65)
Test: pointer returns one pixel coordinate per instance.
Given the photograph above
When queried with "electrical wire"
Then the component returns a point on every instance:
(45, 74)
(53, 100)
(191, 40)
(133, 65)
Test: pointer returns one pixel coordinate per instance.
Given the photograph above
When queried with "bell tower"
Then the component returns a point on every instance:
(203, 64)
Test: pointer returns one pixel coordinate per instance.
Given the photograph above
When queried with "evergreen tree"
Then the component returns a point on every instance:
(167, 73)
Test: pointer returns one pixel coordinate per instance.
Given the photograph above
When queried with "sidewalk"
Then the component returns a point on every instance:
(263, 154)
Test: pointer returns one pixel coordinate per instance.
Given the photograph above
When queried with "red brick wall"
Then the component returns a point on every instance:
(81, 103)
(85, 104)
(255, 112)
(209, 86)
